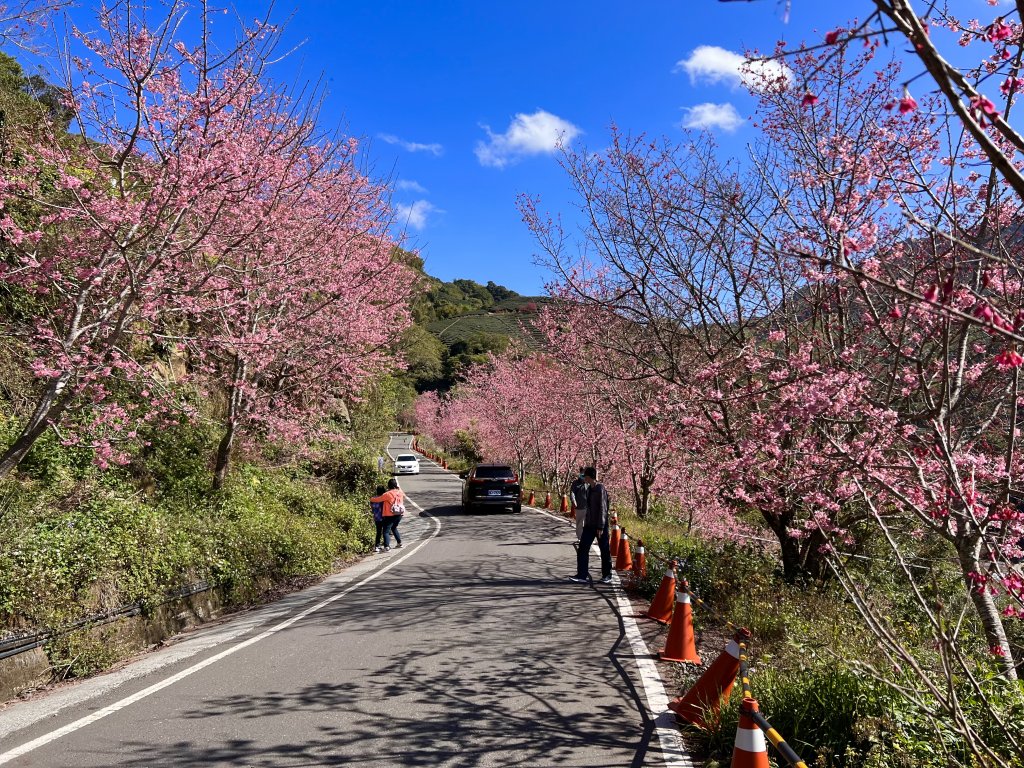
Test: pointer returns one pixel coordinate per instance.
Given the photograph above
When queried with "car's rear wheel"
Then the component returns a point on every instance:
(517, 508)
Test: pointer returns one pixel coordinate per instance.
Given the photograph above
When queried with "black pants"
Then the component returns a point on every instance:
(380, 532)
(590, 533)
(391, 526)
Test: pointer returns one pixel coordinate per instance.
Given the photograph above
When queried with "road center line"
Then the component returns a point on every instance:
(30, 746)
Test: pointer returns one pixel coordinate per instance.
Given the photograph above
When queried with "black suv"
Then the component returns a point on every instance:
(491, 485)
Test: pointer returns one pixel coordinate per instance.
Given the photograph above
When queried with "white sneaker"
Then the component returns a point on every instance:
(378, 550)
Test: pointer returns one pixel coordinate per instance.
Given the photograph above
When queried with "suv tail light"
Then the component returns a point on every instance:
(512, 479)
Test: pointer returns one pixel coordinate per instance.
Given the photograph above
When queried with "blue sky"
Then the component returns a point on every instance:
(459, 101)
(424, 81)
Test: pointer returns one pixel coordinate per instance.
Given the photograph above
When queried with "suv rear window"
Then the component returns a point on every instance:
(493, 472)
(406, 457)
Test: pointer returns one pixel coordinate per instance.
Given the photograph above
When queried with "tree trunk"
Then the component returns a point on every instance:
(51, 404)
(969, 553)
(791, 555)
(642, 497)
(220, 471)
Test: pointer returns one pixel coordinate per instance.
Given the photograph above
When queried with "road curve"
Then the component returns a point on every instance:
(466, 648)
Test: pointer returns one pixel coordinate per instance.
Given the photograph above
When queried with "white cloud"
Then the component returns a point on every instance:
(407, 185)
(538, 134)
(709, 116)
(415, 214)
(411, 146)
(711, 64)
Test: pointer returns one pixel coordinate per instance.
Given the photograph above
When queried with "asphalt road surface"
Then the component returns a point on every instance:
(466, 647)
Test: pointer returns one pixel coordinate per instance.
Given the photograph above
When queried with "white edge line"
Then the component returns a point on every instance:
(99, 714)
(673, 750)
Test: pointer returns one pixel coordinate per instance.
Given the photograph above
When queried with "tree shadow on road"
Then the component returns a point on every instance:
(507, 664)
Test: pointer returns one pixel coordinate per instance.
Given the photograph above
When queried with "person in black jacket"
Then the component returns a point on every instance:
(578, 496)
(595, 526)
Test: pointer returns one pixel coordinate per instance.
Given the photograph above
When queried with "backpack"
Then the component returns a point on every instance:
(398, 507)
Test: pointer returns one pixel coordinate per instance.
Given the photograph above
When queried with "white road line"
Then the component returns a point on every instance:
(673, 751)
(17, 752)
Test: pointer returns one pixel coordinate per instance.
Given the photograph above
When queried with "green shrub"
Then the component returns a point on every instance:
(836, 718)
(79, 546)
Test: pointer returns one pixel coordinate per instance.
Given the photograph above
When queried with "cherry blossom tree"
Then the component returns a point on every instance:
(309, 310)
(197, 208)
(843, 317)
(19, 19)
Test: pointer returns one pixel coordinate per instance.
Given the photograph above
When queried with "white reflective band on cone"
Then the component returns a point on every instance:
(640, 550)
(685, 598)
(733, 649)
(670, 574)
(750, 740)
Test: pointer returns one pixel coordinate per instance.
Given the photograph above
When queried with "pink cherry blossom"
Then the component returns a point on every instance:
(907, 104)
(998, 30)
(1009, 358)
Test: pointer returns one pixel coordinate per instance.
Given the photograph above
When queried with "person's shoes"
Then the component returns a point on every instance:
(378, 550)
(398, 545)
(579, 579)
(387, 549)
(605, 580)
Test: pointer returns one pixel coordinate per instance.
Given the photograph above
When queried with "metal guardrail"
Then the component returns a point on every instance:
(18, 644)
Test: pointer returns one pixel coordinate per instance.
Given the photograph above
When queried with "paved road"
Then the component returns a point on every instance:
(468, 647)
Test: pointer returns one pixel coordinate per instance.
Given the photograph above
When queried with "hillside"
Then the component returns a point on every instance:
(513, 318)
(459, 323)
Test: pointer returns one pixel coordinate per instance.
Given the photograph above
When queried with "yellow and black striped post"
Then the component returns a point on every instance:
(745, 672)
(777, 741)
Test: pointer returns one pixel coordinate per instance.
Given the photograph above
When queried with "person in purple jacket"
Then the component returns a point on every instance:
(377, 508)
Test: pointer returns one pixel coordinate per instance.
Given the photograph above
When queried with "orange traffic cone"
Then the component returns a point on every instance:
(640, 561)
(623, 558)
(613, 537)
(661, 605)
(750, 750)
(680, 644)
(533, 499)
(547, 500)
(444, 463)
(564, 507)
(714, 686)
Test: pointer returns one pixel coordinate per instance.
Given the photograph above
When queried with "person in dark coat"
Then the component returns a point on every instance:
(578, 495)
(595, 526)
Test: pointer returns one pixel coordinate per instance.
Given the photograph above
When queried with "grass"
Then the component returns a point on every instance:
(506, 319)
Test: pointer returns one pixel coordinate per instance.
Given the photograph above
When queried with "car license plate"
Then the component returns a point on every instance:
(494, 492)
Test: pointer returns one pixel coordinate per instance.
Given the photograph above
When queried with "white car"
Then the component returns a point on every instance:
(407, 464)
